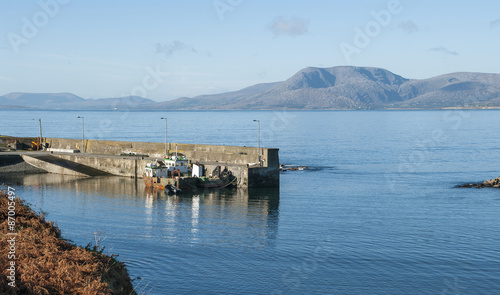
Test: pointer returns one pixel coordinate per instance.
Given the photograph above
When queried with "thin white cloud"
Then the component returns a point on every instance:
(444, 50)
(289, 27)
(409, 27)
(174, 47)
(6, 79)
(495, 23)
(70, 58)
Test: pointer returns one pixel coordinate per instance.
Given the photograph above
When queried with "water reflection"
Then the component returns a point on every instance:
(38, 180)
(226, 216)
(221, 214)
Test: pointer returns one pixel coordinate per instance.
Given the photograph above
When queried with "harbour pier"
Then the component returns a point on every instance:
(129, 159)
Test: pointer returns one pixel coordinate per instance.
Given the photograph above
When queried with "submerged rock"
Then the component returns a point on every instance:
(492, 182)
(495, 183)
(284, 167)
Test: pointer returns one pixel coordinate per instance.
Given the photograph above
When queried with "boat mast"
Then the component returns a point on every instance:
(166, 143)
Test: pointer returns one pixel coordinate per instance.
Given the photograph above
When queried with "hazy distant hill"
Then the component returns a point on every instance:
(338, 88)
(349, 87)
(452, 90)
(120, 103)
(38, 100)
(68, 101)
(343, 87)
(217, 101)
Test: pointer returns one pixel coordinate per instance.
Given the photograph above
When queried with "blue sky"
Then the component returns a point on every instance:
(168, 49)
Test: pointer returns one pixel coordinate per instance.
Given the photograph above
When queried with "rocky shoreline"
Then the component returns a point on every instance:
(495, 183)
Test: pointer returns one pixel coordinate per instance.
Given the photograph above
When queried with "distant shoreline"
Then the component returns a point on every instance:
(311, 88)
(473, 108)
(249, 110)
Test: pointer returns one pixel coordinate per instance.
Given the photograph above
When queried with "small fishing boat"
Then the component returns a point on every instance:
(174, 174)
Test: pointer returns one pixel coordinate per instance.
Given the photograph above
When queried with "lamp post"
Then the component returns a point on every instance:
(258, 140)
(166, 143)
(40, 140)
(83, 133)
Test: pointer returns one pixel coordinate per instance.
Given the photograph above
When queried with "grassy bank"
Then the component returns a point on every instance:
(47, 264)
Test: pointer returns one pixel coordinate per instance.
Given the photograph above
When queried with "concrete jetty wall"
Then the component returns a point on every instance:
(196, 152)
(106, 155)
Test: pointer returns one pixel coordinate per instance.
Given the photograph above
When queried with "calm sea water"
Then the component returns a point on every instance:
(377, 213)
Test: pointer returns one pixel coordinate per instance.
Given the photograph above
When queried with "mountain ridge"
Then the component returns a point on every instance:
(312, 88)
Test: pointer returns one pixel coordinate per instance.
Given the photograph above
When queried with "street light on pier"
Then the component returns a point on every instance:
(258, 140)
(83, 133)
(40, 140)
(166, 143)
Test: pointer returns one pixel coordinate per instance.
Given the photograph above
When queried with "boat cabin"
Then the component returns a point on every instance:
(164, 168)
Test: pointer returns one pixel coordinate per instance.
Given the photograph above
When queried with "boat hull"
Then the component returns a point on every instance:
(188, 183)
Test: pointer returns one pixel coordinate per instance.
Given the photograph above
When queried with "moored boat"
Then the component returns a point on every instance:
(174, 174)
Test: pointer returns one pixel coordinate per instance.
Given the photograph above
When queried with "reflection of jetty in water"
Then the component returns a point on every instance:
(227, 216)
(219, 216)
(106, 186)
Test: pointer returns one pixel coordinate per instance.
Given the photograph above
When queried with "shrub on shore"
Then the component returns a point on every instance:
(47, 264)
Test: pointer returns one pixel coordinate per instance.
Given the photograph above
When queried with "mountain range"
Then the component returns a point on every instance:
(312, 88)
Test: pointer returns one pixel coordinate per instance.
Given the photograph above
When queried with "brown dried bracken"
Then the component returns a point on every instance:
(47, 264)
